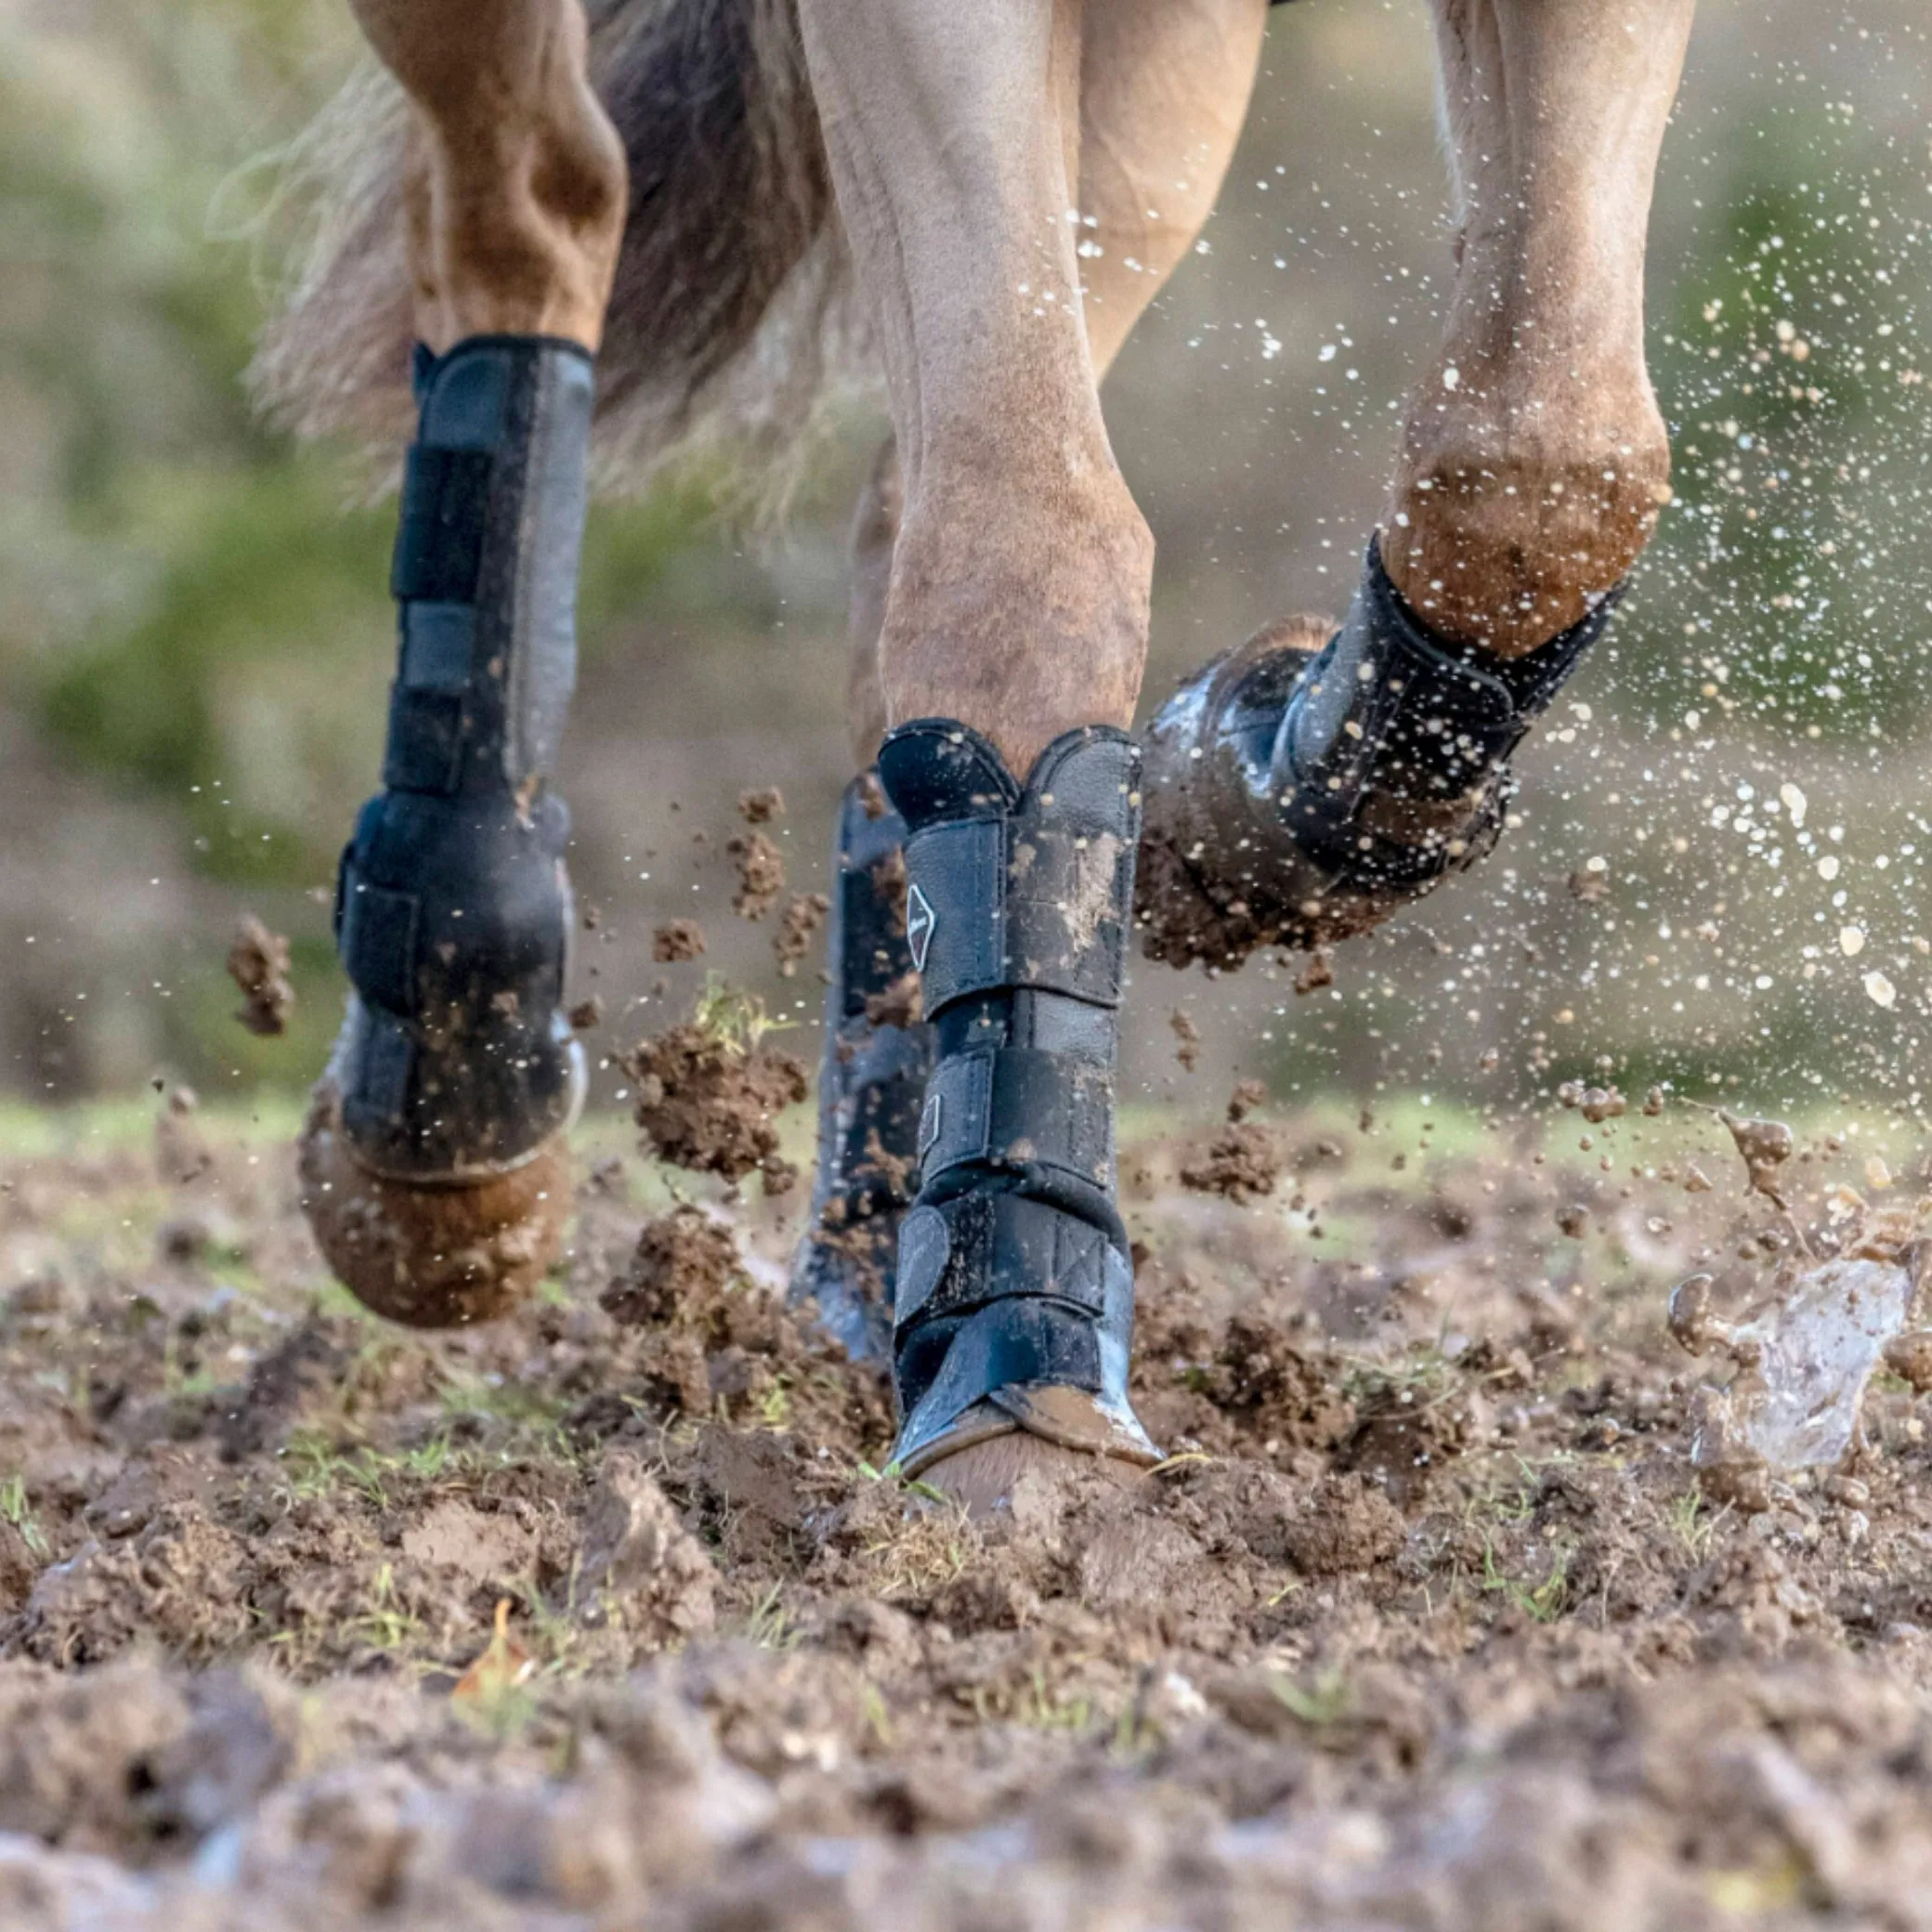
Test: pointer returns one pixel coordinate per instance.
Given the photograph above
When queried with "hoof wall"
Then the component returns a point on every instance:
(432, 1257)
(981, 1479)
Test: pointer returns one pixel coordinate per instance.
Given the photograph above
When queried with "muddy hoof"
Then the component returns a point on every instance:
(431, 1257)
(1210, 885)
(983, 1478)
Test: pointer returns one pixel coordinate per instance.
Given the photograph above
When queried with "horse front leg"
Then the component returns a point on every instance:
(1164, 90)
(433, 1161)
(1010, 650)
(1301, 791)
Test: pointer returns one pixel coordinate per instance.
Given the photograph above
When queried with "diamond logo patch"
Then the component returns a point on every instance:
(920, 920)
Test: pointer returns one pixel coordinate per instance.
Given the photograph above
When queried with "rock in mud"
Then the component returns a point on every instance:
(641, 1570)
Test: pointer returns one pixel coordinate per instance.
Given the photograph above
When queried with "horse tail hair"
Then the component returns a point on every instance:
(733, 314)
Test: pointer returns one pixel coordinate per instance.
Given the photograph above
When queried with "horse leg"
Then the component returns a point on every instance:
(1164, 90)
(1010, 651)
(433, 1161)
(1298, 799)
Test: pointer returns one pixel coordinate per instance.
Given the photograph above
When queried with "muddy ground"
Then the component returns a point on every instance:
(1427, 1622)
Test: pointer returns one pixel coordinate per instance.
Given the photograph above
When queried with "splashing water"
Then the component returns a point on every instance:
(1797, 1404)
(1804, 1359)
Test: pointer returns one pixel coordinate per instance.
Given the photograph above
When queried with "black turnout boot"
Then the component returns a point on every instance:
(872, 1079)
(1297, 796)
(456, 1064)
(1014, 1304)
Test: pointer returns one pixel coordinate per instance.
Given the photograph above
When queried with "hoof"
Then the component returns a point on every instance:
(1198, 892)
(981, 1479)
(1068, 1442)
(431, 1257)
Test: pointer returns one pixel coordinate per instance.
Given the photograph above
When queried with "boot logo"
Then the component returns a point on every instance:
(920, 920)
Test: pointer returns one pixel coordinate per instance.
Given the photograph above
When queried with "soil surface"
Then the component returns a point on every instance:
(1428, 1622)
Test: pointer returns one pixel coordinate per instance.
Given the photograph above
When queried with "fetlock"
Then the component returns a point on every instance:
(1295, 797)
(1013, 1300)
(456, 1062)
(871, 1080)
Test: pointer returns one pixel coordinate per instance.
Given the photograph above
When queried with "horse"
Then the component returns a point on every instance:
(557, 239)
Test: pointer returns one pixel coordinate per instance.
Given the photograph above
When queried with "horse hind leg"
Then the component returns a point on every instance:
(1297, 799)
(433, 1161)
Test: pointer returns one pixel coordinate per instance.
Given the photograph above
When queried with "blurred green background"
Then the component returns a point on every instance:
(195, 639)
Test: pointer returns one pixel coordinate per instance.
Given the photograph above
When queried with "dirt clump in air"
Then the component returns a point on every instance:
(761, 873)
(258, 964)
(1244, 1161)
(762, 805)
(798, 926)
(677, 940)
(709, 1102)
(1187, 1039)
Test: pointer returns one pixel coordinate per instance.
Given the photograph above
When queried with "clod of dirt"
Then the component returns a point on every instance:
(280, 1385)
(180, 1580)
(258, 964)
(1275, 1388)
(1187, 1036)
(803, 914)
(902, 1003)
(1574, 1221)
(683, 1260)
(1596, 1104)
(587, 1015)
(706, 1102)
(1248, 1095)
(181, 1150)
(1242, 1163)
(1693, 1326)
(676, 941)
(1765, 1145)
(761, 874)
(1590, 888)
(1317, 970)
(760, 808)
(1909, 1356)
(641, 1571)
(1347, 1524)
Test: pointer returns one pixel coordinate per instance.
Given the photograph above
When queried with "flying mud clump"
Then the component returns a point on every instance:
(258, 964)
(1244, 1161)
(709, 1089)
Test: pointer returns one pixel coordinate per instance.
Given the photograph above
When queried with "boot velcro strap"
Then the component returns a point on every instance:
(378, 929)
(445, 515)
(379, 1090)
(975, 1248)
(1019, 1107)
(1023, 906)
